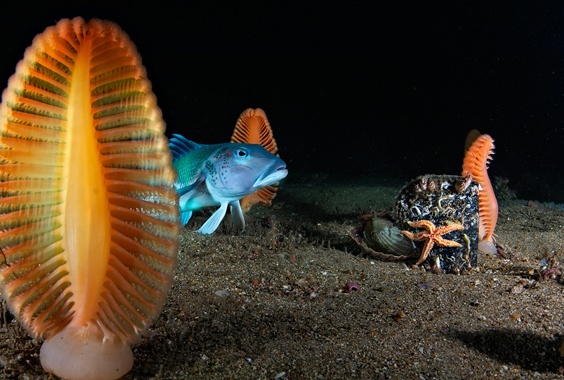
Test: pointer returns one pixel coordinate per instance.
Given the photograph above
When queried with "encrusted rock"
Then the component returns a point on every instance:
(442, 200)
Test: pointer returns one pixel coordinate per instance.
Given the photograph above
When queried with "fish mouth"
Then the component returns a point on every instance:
(272, 177)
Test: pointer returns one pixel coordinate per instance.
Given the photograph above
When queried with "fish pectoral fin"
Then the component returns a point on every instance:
(185, 217)
(191, 188)
(213, 222)
(237, 215)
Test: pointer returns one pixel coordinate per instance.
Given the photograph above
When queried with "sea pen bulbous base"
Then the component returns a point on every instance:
(76, 355)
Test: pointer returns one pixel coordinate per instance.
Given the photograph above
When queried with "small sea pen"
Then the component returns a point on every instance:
(253, 127)
(476, 160)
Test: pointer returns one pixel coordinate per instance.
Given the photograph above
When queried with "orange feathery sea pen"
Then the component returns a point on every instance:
(253, 127)
(479, 151)
(88, 212)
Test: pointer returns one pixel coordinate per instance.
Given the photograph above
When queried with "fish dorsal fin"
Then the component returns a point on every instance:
(253, 127)
(181, 146)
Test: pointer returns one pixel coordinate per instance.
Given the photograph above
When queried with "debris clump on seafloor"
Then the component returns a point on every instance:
(382, 239)
(434, 222)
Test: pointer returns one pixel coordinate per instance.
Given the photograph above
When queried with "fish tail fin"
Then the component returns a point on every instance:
(181, 146)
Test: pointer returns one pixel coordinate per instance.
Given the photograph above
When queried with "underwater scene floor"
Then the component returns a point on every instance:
(294, 297)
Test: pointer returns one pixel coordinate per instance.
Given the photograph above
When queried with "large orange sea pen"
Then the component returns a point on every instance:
(88, 212)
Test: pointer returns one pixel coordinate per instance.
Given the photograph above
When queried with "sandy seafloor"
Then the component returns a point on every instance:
(270, 303)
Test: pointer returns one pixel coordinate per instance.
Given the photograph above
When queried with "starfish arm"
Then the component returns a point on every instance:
(447, 243)
(425, 252)
(427, 224)
(410, 235)
(449, 228)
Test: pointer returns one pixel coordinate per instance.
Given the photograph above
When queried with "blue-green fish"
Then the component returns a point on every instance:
(220, 175)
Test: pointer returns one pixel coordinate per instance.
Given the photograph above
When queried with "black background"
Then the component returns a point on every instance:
(352, 87)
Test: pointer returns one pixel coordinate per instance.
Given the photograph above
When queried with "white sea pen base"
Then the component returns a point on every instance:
(80, 355)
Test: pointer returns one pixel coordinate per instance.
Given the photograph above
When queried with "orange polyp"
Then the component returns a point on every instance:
(89, 220)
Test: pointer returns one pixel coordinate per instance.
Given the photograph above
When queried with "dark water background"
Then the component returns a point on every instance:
(360, 89)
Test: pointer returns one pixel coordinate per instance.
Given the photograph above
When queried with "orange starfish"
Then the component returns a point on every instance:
(433, 236)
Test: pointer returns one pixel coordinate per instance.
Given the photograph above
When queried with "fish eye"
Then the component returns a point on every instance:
(241, 152)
